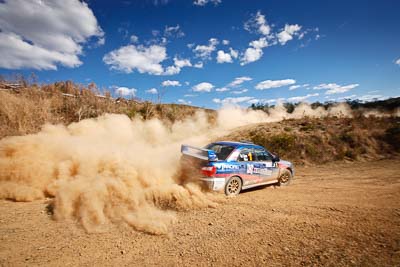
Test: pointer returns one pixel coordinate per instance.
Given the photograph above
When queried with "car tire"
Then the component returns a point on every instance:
(285, 177)
(233, 186)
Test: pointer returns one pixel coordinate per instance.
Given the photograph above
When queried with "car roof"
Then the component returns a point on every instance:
(237, 144)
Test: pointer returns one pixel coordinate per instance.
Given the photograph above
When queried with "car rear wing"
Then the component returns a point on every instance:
(200, 153)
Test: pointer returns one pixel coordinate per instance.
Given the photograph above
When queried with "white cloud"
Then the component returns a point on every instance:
(264, 101)
(152, 91)
(44, 34)
(260, 43)
(274, 84)
(184, 102)
(301, 98)
(238, 92)
(134, 38)
(223, 57)
(251, 55)
(180, 63)
(171, 70)
(173, 31)
(204, 51)
(125, 91)
(205, 2)
(398, 62)
(171, 83)
(233, 100)
(254, 52)
(143, 59)
(259, 24)
(101, 41)
(225, 42)
(239, 80)
(189, 95)
(293, 87)
(234, 53)
(203, 87)
(367, 98)
(334, 88)
(346, 97)
(254, 101)
(288, 32)
(198, 65)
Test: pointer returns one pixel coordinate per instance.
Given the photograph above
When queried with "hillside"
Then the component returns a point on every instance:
(25, 108)
(322, 140)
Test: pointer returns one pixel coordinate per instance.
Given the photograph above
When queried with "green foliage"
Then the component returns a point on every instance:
(132, 113)
(289, 107)
(260, 106)
(281, 143)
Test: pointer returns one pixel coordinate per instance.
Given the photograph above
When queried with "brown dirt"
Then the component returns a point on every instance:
(342, 214)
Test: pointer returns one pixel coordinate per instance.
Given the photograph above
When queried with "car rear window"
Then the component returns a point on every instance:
(222, 151)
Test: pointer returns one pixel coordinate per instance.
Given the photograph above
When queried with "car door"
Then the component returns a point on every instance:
(264, 166)
(246, 159)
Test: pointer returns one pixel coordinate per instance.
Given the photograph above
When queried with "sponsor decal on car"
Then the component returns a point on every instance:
(251, 169)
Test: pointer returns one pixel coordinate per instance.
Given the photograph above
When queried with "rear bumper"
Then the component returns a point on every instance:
(213, 183)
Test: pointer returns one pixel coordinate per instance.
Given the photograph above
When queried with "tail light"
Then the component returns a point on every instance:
(209, 170)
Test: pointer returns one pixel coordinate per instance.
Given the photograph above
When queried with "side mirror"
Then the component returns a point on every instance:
(275, 157)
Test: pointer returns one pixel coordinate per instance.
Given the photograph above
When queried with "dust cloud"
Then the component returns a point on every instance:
(114, 170)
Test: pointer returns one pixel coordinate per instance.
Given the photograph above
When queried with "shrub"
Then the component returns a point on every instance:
(281, 143)
(392, 137)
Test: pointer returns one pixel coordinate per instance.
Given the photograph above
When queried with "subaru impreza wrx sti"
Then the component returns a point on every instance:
(233, 166)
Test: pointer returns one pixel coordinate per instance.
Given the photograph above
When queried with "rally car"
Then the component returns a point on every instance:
(233, 166)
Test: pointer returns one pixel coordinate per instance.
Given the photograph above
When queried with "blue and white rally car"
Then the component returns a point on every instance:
(234, 166)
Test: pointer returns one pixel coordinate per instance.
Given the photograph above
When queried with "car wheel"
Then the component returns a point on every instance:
(285, 177)
(233, 186)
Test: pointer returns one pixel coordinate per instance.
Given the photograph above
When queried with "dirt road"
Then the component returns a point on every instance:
(345, 214)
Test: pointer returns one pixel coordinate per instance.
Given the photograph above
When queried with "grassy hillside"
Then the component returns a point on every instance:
(328, 139)
(25, 108)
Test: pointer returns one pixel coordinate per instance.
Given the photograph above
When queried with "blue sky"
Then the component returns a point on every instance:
(208, 52)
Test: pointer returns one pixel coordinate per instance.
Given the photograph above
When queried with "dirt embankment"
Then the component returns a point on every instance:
(321, 140)
(345, 214)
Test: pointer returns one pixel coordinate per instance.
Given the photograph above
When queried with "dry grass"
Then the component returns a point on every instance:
(27, 109)
(328, 139)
